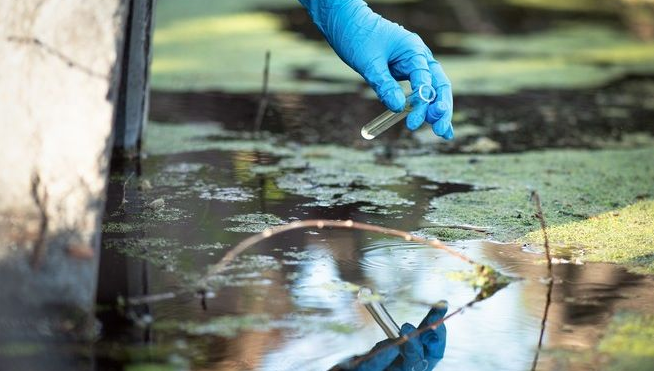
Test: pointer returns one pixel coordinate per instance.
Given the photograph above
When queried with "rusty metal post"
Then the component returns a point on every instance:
(133, 94)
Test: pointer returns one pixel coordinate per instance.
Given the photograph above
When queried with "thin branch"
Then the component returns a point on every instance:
(221, 266)
(40, 243)
(465, 227)
(543, 226)
(324, 223)
(550, 284)
(263, 102)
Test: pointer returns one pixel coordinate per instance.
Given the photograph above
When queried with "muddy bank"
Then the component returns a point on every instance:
(617, 114)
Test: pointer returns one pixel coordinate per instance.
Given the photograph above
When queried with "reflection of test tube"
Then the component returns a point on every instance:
(425, 94)
(386, 322)
(379, 313)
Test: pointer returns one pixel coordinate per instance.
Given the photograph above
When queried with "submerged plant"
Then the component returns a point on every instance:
(483, 278)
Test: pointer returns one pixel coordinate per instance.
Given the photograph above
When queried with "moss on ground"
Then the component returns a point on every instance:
(624, 236)
(569, 56)
(629, 342)
(208, 45)
(163, 139)
(573, 185)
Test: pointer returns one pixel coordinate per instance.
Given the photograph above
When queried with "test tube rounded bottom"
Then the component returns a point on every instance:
(380, 314)
(381, 123)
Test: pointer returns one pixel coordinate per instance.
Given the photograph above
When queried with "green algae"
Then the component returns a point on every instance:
(226, 51)
(223, 46)
(163, 215)
(482, 278)
(121, 227)
(224, 326)
(573, 185)
(205, 247)
(568, 56)
(448, 234)
(335, 175)
(379, 197)
(628, 342)
(253, 223)
(160, 252)
(227, 194)
(624, 236)
(508, 213)
(163, 139)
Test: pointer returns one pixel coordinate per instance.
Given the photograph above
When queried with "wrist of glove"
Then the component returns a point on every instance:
(419, 353)
(383, 52)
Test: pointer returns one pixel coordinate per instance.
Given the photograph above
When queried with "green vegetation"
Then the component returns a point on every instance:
(624, 236)
(170, 139)
(570, 56)
(574, 186)
(484, 279)
(208, 44)
(629, 341)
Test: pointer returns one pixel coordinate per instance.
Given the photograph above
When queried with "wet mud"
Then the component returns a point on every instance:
(616, 115)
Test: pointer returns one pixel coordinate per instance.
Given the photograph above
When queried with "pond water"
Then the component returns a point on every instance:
(290, 302)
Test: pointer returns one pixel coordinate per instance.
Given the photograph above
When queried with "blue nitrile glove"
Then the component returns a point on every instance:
(420, 353)
(383, 52)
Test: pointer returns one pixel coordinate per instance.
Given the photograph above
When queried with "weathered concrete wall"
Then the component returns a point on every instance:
(57, 96)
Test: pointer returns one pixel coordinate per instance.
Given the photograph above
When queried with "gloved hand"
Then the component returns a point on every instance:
(383, 52)
(420, 353)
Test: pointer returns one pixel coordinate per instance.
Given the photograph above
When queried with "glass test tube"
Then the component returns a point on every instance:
(425, 94)
(379, 313)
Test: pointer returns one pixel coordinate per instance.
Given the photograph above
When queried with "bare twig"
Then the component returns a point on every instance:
(40, 244)
(263, 102)
(124, 199)
(541, 218)
(550, 283)
(324, 223)
(316, 223)
(465, 227)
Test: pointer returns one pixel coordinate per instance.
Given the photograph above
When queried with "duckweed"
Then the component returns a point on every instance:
(253, 223)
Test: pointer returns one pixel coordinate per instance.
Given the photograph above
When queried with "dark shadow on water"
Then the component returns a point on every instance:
(529, 120)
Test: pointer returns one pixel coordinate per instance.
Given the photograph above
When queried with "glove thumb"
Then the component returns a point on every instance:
(378, 76)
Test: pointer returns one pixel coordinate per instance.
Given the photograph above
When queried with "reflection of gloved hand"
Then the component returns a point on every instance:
(383, 51)
(420, 353)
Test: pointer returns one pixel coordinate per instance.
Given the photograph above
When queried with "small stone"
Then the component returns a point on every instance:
(145, 185)
(157, 204)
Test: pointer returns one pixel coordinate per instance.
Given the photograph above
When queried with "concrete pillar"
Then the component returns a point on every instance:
(133, 95)
(58, 89)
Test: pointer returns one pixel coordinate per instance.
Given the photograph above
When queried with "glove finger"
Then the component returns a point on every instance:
(434, 341)
(441, 114)
(435, 111)
(388, 90)
(412, 351)
(419, 75)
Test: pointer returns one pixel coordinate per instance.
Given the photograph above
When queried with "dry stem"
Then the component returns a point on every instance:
(325, 223)
(550, 284)
(263, 103)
